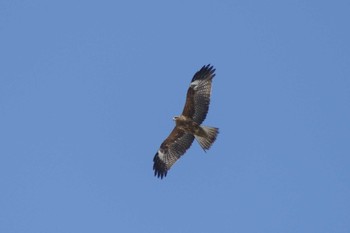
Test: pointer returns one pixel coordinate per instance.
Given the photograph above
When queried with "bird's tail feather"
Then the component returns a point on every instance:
(208, 137)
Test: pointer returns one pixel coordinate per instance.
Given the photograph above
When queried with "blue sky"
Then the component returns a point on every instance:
(88, 90)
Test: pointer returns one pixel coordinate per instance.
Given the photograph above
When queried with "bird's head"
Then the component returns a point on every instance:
(175, 118)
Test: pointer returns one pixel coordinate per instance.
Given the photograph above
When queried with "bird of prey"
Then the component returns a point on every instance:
(188, 125)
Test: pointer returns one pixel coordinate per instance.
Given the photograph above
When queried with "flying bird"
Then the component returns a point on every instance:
(188, 125)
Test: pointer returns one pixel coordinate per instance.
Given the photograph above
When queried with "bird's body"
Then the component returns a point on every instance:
(188, 124)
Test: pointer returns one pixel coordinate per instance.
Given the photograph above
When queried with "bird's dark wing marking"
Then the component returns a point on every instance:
(173, 147)
(198, 94)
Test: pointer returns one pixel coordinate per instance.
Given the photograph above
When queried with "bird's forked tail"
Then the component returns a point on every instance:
(207, 136)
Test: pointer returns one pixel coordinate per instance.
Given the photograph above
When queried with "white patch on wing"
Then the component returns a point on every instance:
(194, 84)
(160, 154)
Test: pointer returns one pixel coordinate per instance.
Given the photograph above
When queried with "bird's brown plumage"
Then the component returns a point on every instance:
(188, 124)
(198, 97)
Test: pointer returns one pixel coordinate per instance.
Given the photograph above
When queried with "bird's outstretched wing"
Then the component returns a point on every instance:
(198, 94)
(173, 147)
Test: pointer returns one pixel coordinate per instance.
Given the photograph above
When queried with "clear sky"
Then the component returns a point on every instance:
(88, 90)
